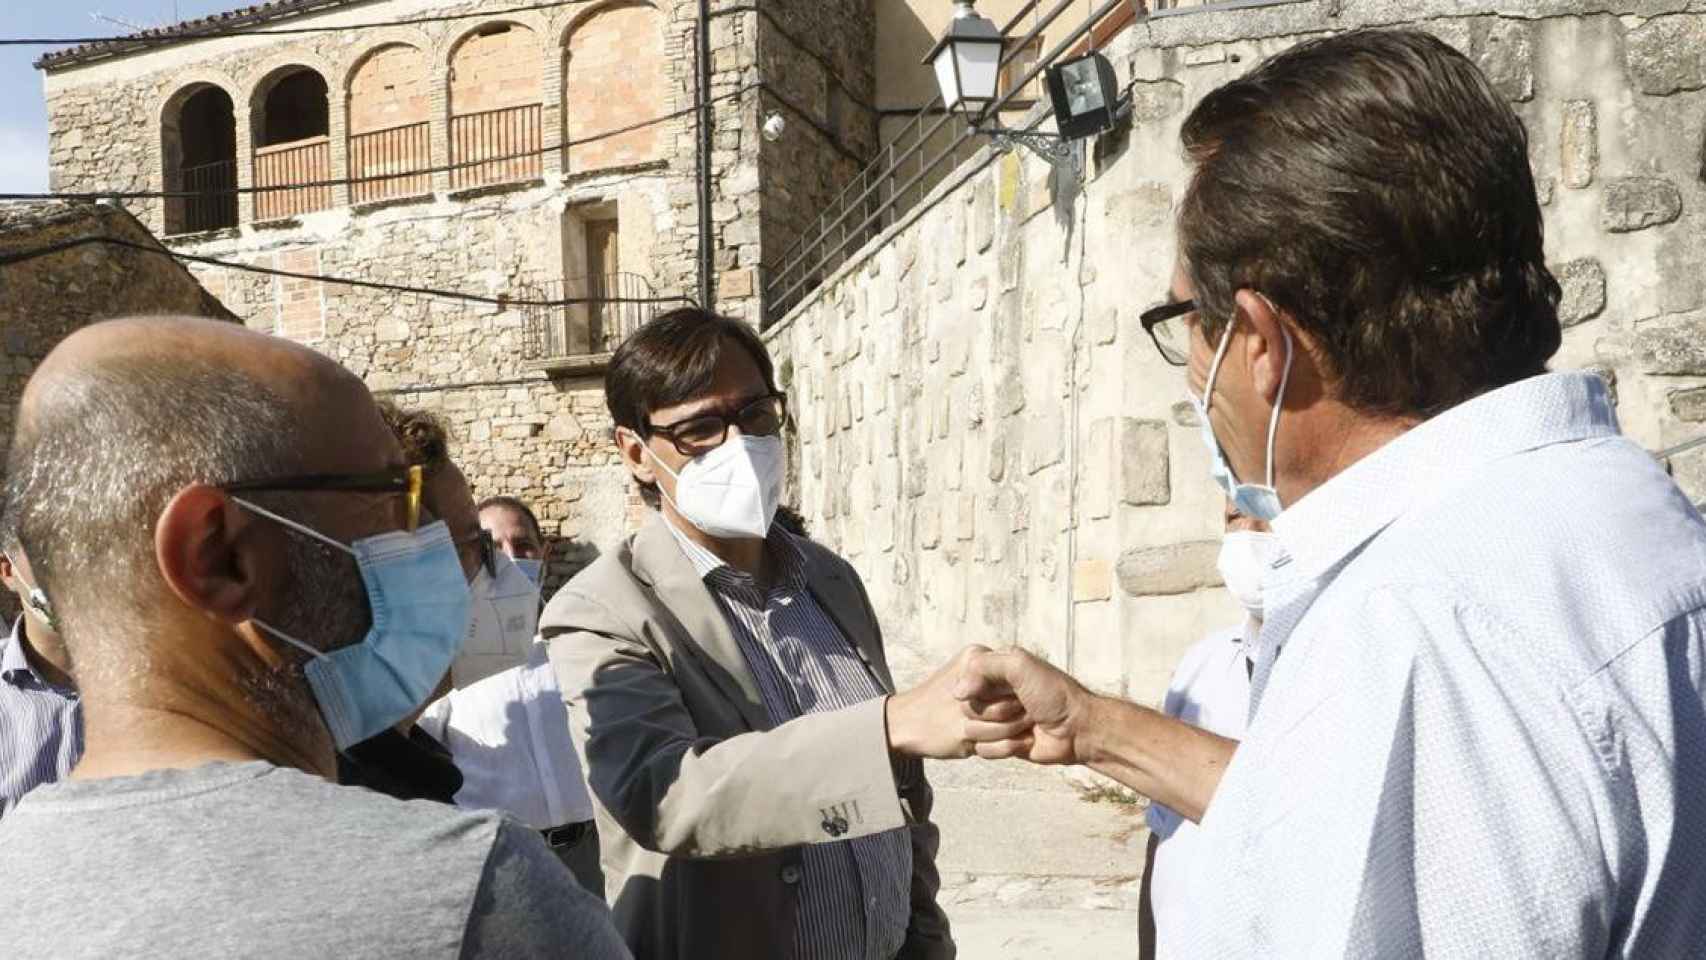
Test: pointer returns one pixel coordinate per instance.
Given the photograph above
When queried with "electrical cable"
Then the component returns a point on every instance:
(351, 181)
(11, 259)
(170, 35)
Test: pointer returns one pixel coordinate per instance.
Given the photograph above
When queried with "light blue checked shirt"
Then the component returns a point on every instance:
(1477, 719)
(855, 895)
(41, 725)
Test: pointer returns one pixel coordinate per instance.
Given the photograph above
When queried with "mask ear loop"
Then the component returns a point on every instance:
(307, 531)
(1279, 404)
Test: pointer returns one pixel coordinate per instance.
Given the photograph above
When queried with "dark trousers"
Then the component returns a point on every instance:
(576, 844)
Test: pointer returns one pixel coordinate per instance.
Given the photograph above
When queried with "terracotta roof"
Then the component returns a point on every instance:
(251, 16)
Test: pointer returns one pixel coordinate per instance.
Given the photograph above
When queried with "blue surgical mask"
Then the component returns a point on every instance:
(420, 604)
(1257, 501)
(532, 569)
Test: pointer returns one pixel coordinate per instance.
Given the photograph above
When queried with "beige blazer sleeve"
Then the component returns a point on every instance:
(686, 792)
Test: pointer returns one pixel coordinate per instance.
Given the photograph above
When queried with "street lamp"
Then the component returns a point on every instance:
(967, 63)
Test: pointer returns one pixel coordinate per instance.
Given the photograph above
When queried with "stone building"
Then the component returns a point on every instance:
(44, 299)
(519, 157)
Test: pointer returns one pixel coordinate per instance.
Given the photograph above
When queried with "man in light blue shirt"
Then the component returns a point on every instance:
(1478, 725)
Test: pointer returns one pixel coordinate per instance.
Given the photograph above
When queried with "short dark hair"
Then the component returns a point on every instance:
(511, 503)
(672, 359)
(422, 435)
(1377, 188)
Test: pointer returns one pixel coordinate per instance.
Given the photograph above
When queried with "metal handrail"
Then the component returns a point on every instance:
(920, 140)
(780, 304)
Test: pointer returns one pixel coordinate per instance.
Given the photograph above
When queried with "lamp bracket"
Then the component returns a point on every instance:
(1051, 147)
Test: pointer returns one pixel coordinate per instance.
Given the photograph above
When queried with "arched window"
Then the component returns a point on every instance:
(495, 74)
(389, 111)
(289, 114)
(198, 133)
(613, 76)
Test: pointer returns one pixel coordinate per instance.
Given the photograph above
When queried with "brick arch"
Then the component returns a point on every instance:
(377, 40)
(198, 152)
(578, 18)
(410, 70)
(256, 78)
(616, 52)
(493, 85)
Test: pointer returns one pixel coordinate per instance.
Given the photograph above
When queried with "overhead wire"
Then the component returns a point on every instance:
(171, 35)
(34, 253)
(351, 181)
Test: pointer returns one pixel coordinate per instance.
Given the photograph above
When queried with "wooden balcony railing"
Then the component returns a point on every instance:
(301, 161)
(214, 209)
(512, 132)
(395, 153)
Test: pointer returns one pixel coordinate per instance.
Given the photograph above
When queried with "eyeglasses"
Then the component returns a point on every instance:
(762, 417)
(404, 481)
(1171, 335)
(488, 550)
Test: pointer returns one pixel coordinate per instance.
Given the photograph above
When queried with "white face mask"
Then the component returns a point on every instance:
(1258, 501)
(1244, 559)
(731, 492)
(505, 610)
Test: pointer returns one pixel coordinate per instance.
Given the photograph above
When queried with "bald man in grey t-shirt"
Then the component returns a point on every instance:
(253, 860)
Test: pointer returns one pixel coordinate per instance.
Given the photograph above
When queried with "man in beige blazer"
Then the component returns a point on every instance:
(754, 775)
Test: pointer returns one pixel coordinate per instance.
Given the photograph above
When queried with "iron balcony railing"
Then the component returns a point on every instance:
(281, 164)
(396, 154)
(216, 208)
(905, 170)
(504, 132)
(597, 312)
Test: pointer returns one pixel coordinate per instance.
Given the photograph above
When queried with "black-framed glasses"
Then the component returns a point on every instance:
(1171, 335)
(488, 550)
(763, 417)
(403, 481)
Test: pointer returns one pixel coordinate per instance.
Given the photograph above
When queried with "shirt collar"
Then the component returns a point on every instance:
(791, 560)
(14, 666)
(1339, 516)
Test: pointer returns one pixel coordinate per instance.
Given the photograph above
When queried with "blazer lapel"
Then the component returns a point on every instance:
(840, 599)
(703, 628)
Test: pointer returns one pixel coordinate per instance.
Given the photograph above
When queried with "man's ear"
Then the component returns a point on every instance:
(1271, 345)
(632, 448)
(8, 576)
(207, 552)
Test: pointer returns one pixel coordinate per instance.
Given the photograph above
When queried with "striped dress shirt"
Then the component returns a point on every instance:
(41, 725)
(855, 895)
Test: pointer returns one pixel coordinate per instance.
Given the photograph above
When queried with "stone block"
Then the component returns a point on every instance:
(1667, 54)
(1171, 569)
(1143, 462)
(1673, 345)
(1045, 442)
(1092, 580)
(1146, 205)
(1184, 414)
(391, 330)
(1104, 326)
(1636, 203)
(1578, 144)
(1156, 100)
(1583, 281)
(1689, 404)
(734, 284)
(1095, 476)
(983, 215)
(1506, 56)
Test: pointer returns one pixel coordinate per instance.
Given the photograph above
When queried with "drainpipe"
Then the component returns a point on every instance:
(702, 96)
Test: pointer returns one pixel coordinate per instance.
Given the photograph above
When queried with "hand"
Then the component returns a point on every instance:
(1056, 706)
(927, 721)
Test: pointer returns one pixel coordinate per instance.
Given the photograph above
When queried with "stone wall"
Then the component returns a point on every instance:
(987, 433)
(43, 300)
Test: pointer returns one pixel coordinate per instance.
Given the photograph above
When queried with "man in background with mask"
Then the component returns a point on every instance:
(1211, 691)
(756, 785)
(509, 733)
(1478, 705)
(41, 722)
(216, 517)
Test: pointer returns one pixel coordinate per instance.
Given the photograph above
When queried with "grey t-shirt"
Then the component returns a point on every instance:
(253, 860)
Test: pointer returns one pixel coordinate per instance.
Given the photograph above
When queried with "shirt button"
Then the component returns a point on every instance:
(790, 874)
